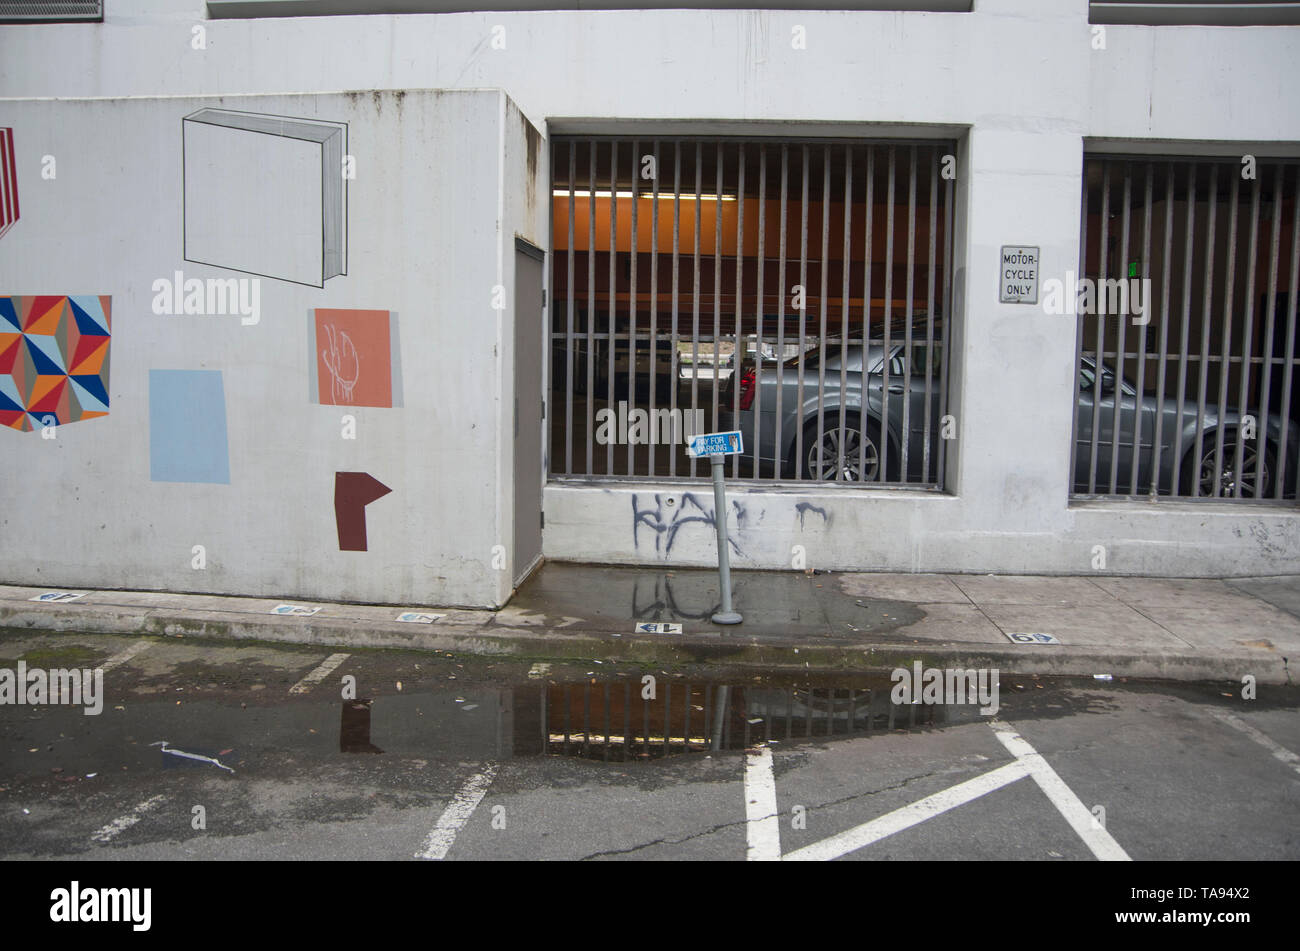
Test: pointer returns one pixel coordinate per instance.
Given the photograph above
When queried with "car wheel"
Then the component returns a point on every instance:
(852, 459)
(1201, 483)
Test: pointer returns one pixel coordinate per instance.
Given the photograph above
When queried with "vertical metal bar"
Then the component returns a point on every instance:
(1103, 248)
(889, 320)
(869, 217)
(627, 720)
(1078, 328)
(1186, 321)
(568, 343)
(1142, 330)
(567, 705)
(739, 306)
(695, 295)
(1204, 368)
(591, 310)
(586, 718)
(686, 726)
(605, 710)
(933, 202)
(546, 721)
(761, 322)
(677, 238)
(1161, 365)
(744, 716)
(846, 262)
(708, 703)
(1261, 438)
(853, 711)
(613, 294)
(947, 321)
(907, 331)
(1288, 354)
(668, 714)
(778, 448)
(645, 724)
(808, 711)
(1121, 331)
(803, 309)
(717, 288)
(825, 261)
(1225, 337)
(1247, 344)
(654, 318)
(632, 308)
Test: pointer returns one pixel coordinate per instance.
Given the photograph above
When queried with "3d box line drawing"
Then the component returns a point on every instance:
(265, 194)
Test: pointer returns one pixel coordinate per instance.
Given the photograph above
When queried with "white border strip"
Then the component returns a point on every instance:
(1277, 749)
(762, 821)
(456, 814)
(327, 667)
(122, 656)
(1094, 835)
(122, 823)
(910, 815)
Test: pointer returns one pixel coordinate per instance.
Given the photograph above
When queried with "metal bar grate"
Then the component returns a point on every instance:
(1186, 342)
(803, 301)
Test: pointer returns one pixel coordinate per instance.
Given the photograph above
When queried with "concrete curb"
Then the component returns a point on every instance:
(498, 639)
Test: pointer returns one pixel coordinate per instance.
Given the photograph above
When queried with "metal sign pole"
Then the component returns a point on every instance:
(726, 615)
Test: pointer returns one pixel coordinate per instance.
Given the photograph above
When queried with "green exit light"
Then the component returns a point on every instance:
(1133, 269)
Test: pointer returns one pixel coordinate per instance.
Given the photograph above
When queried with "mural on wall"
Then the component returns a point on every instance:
(355, 358)
(8, 182)
(353, 491)
(187, 427)
(265, 194)
(53, 360)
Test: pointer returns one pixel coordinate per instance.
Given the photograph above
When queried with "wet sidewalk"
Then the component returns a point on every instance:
(1181, 629)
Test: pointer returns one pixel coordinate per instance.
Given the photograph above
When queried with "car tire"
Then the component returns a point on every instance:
(1227, 481)
(846, 469)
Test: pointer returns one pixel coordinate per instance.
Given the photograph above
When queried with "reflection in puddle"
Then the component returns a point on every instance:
(354, 729)
(614, 722)
(619, 719)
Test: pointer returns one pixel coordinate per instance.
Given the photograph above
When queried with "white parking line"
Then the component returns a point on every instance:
(1063, 798)
(1277, 749)
(122, 823)
(762, 822)
(456, 814)
(327, 667)
(909, 815)
(122, 656)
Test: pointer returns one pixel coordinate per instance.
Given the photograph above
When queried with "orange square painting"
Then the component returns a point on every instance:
(353, 357)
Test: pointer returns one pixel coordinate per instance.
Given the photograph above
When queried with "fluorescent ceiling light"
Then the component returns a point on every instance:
(606, 193)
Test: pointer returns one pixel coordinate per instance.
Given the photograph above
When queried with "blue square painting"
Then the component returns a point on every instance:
(187, 427)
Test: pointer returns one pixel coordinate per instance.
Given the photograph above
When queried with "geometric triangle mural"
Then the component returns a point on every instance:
(53, 360)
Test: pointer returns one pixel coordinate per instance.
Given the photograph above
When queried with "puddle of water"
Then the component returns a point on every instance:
(621, 721)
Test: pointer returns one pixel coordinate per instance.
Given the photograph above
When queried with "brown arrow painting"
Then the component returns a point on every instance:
(353, 491)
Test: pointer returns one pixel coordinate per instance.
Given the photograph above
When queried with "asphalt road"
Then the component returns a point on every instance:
(464, 758)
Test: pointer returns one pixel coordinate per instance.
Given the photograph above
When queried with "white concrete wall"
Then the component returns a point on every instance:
(81, 509)
(1021, 82)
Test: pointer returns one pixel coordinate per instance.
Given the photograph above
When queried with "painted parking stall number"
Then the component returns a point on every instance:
(658, 627)
(1021, 638)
